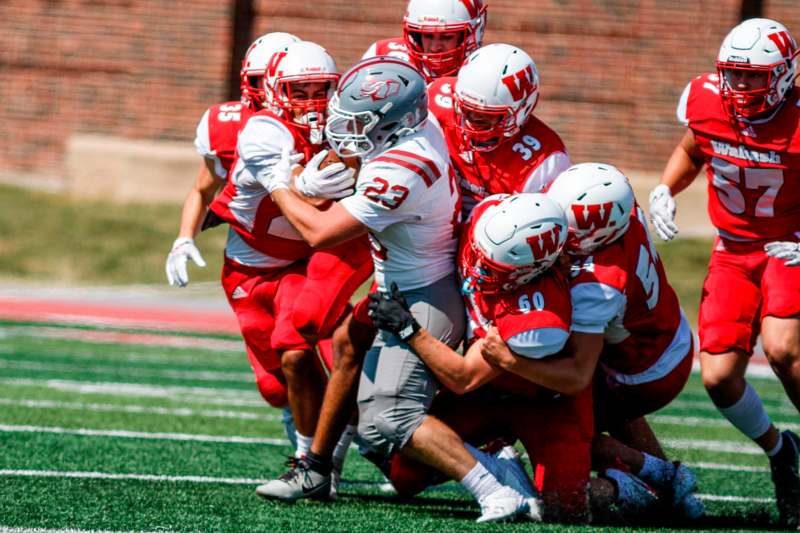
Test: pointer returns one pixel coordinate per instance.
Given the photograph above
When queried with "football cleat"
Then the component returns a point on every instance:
(502, 505)
(785, 476)
(336, 478)
(684, 484)
(298, 482)
(634, 496)
(512, 473)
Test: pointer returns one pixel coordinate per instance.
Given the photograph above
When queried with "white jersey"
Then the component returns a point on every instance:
(408, 197)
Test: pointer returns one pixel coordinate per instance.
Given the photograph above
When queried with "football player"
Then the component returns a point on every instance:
(407, 200)
(629, 334)
(743, 126)
(496, 143)
(286, 295)
(437, 35)
(216, 142)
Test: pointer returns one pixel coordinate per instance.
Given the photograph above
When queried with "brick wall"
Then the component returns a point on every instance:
(612, 71)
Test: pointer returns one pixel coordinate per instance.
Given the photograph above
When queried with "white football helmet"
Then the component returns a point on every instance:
(255, 64)
(597, 200)
(443, 16)
(756, 46)
(499, 81)
(514, 240)
(297, 64)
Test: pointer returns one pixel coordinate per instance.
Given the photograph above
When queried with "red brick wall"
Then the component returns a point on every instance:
(611, 71)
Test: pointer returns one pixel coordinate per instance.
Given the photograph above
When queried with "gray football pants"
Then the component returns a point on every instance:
(396, 388)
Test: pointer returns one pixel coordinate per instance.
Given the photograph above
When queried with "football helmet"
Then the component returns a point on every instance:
(756, 46)
(301, 64)
(500, 83)
(597, 200)
(378, 100)
(426, 19)
(255, 64)
(514, 240)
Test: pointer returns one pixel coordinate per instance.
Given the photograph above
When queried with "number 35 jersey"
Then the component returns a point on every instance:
(408, 198)
(529, 162)
(753, 168)
(622, 292)
(217, 133)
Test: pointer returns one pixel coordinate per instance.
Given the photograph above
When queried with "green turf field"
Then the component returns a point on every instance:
(153, 438)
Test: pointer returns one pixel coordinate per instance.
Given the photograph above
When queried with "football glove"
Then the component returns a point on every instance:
(280, 175)
(183, 249)
(789, 251)
(332, 182)
(389, 311)
(662, 212)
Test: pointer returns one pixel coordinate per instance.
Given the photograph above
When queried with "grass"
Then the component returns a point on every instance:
(193, 475)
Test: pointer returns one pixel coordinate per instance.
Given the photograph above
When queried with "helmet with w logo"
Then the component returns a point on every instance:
(495, 94)
(378, 100)
(598, 201)
(255, 64)
(427, 20)
(757, 67)
(514, 239)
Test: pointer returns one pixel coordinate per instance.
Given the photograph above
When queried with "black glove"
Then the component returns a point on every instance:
(390, 312)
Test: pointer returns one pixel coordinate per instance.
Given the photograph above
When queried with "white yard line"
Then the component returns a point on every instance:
(727, 467)
(118, 433)
(140, 409)
(706, 405)
(705, 422)
(725, 498)
(726, 446)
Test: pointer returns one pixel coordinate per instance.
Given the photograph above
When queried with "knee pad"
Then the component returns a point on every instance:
(272, 390)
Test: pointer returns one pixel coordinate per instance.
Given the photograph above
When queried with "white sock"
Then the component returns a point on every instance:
(656, 471)
(747, 414)
(774, 451)
(480, 482)
(303, 444)
(340, 452)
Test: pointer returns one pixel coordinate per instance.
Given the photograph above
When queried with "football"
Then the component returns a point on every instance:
(333, 157)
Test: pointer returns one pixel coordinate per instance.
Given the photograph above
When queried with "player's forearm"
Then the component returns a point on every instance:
(450, 368)
(683, 166)
(560, 373)
(197, 201)
(311, 223)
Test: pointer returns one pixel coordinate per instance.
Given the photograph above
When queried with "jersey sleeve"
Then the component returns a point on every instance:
(259, 147)
(202, 142)
(545, 173)
(680, 112)
(538, 343)
(594, 306)
(384, 196)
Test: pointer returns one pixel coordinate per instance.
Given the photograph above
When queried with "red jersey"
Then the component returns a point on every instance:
(622, 292)
(528, 162)
(261, 236)
(390, 47)
(752, 168)
(218, 131)
(534, 319)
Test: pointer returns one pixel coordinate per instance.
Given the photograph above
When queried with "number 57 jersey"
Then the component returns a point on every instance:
(753, 168)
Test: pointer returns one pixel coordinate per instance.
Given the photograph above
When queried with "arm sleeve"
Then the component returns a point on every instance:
(544, 174)
(378, 205)
(538, 343)
(594, 306)
(259, 148)
(680, 112)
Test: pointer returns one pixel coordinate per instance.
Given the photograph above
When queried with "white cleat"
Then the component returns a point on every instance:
(298, 482)
(513, 474)
(502, 505)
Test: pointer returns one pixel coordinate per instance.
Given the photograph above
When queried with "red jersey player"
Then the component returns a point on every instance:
(437, 35)
(286, 295)
(215, 140)
(496, 143)
(743, 125)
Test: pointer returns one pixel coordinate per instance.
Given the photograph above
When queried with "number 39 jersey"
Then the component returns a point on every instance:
(529, 162)
(753, 169)
(217, 133)
(408, 198)
(622, 292)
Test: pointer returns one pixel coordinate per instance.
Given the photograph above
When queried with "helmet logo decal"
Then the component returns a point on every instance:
(272, 68)
(545, 244)
(592, 216)
(520, 84)
(379, 89)
(472, 9)
(784, 42)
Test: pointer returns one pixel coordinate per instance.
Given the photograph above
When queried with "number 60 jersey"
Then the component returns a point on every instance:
(753, 168)
(527, 162)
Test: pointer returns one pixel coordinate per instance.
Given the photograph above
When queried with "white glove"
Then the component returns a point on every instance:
(790, 251)
(280, 175)
(332, 182)
(182, 250)
(662, 212)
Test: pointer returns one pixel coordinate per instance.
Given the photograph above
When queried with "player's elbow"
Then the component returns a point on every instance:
(577, 383)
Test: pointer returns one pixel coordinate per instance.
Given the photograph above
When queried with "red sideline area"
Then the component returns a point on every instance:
(158, 318)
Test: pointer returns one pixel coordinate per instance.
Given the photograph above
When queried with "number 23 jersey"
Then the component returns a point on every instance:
(753, 168)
